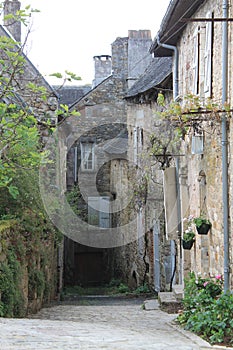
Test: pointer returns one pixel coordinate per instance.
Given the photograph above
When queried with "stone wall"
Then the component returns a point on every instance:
(142, 180)
(203, 179)
(28, 266)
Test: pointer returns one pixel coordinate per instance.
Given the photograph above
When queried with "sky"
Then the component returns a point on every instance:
(66, 35)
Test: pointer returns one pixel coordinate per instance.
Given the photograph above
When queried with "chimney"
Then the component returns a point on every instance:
(13, 25)
(139, 57)
(103, 68)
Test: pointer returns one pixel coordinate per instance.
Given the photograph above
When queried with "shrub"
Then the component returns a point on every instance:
(207, 311)
(12, 301)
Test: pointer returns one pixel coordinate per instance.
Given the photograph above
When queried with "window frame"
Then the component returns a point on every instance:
(208, 57)
(84, 154)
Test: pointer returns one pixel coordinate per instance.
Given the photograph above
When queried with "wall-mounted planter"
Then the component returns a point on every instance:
(187, 244)
(203, 229)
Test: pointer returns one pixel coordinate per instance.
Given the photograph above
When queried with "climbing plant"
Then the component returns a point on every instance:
(173, 121)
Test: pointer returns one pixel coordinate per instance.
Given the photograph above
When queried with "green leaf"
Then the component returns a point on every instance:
(13, 190)
(56, 75)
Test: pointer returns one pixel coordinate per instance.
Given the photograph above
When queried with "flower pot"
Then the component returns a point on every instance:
(187, 244)
(203, 229)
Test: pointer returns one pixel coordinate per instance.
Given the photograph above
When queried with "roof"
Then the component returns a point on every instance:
(70, 94)
(155, 74)
(88, 93)
(5, 32)
(118, 145)
(171, 26)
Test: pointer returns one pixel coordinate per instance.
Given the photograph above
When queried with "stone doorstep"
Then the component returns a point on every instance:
(151, 304)
(168, 302)
(178, 290)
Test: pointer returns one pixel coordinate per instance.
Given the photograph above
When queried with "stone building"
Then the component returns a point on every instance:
(152, 257)
(97, 157)
(199, 40)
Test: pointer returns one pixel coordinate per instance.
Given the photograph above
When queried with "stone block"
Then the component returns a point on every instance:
(169, 303)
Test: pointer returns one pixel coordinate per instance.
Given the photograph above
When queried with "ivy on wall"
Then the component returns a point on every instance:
(28, 249)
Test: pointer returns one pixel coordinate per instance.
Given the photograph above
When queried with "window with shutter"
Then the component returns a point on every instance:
(87, 156)
(208, 57)
(196, 58)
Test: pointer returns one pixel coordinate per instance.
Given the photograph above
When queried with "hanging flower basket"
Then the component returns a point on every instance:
(203, 225)
(188, 239)
(187, 245)
(203, 229)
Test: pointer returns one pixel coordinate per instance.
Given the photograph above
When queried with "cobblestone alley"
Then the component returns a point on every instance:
(97, 323)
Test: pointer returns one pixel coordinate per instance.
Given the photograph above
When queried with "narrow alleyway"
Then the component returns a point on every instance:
(97, 323)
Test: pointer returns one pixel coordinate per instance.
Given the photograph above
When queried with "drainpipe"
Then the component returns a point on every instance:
(224, 145)
(176, 66)
(175, 95)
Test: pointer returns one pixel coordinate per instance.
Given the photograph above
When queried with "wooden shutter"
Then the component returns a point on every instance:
(93, 211)
(135, 145)
(99, 211)
(196, 56)
(208, 57)
(170, 202)
(104, 212)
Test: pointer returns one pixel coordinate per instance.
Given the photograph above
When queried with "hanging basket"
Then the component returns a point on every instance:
(187, 244)
(203, 229)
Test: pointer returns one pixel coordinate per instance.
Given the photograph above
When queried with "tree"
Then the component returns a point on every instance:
(28, 105)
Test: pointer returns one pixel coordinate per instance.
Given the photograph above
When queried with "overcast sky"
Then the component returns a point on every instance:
(67, 34)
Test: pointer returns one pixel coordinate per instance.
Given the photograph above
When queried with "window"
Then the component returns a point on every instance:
(196, 58)
(87, 156)
(99, 211)
(202, 59)
(138, 135)
(208, 57)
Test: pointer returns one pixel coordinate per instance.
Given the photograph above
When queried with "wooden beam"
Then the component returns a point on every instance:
(206, 20)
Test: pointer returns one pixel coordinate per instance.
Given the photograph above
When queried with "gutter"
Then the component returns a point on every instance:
(225, 193)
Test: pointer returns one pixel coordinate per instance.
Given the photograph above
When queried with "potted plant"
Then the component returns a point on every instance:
(203, 225)
(188, 239)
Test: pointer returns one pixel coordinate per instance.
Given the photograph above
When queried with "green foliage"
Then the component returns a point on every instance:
(24, 107)
(165, 141)
(123, 288)
(142, 289)
(114, 282)
(19, 147)
(12, 301)
(175, 119)
(207, 311)
(67, 76)
(188, 229)
(36, 283)
(78, 205)
(201, 220)
(188, 236)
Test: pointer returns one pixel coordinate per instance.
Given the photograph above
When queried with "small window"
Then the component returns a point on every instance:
(87, 156)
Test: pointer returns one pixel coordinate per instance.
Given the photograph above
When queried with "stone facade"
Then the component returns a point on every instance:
(153, 256)
(200, 47)
(102, 126)
(204, 174)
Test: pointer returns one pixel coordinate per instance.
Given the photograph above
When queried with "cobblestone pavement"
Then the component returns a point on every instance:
(97, 323)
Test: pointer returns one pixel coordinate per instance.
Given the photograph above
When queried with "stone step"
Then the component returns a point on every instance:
(169, 303)
(178, 291)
